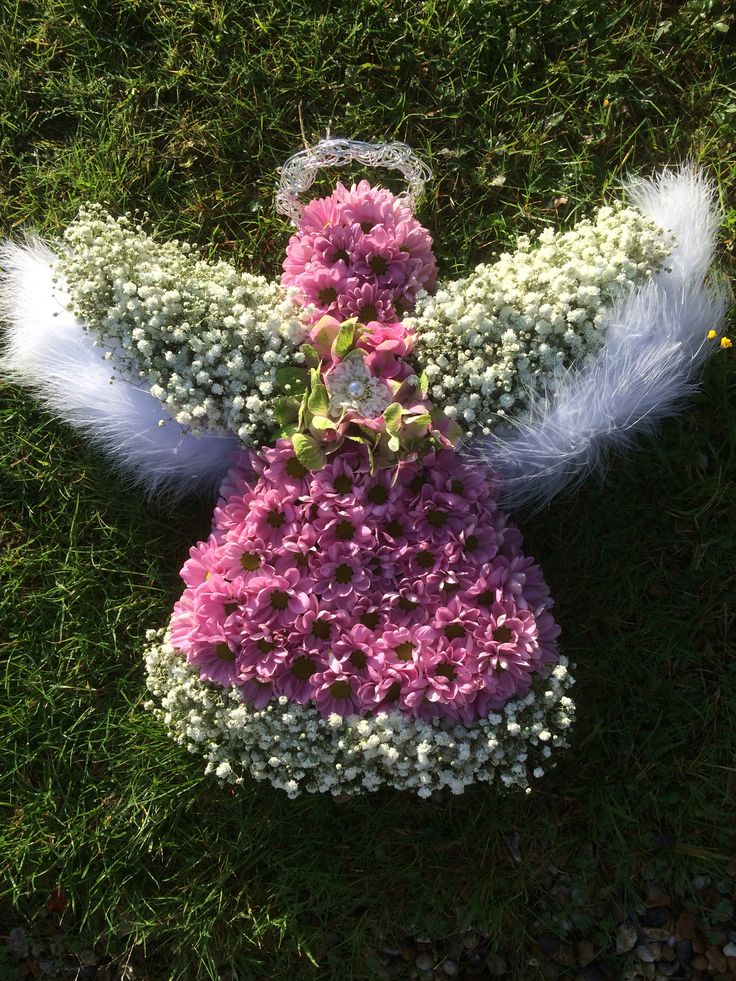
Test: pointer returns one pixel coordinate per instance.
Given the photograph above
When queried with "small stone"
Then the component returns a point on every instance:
(548, 944)
(566, 955)
(701, 881)
(730, 949)
(699, 962)
(655, 896)
(593, 973)
(625, 938)
(450, 968)
(656, 916)
(586, 952)
(669, 953)
(684, 950)
(716, 959)
(391, 951)
(470, 941)
(685, 926)
(424, 961)
(666, 968)
(497, 966)
(646, 953)
(699, 943)
(407, 952)
(657, 933)
(17, 942)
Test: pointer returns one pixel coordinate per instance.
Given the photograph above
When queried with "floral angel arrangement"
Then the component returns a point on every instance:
(362, 613)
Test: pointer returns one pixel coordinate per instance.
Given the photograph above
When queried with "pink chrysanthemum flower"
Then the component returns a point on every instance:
(215, 661)
(359, 592)
(336, 691)
(355, 238)
(367, 302)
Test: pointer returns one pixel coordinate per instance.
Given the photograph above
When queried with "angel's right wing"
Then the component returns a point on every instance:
(647, 340)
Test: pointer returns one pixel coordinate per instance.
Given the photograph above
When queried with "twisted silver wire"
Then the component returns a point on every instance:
(300, 170)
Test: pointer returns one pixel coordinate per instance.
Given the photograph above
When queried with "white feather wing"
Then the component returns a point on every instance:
(648, 368)
(49, 352)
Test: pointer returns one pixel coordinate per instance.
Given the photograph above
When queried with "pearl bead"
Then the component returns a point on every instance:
(356, 388)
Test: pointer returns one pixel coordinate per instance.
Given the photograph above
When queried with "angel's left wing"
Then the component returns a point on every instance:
(169, 407)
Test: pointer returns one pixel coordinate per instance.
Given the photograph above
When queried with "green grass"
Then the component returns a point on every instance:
(185, 109)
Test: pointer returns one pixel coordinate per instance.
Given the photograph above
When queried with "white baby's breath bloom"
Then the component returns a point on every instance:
(297, 750)
(487, 341)
(207, 338)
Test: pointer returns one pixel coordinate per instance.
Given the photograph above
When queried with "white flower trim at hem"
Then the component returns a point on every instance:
(298, 751)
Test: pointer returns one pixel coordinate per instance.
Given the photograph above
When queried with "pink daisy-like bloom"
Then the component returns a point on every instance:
(215, 660)
(334, 248)
(509, 641)
(411, 601)
(183, 625)
(280, 467)
(244, 558)
(356, 650)
(322, 286)
(336, 691)
(446, 685)
(368, 302)
(277, 600)
(295, 675)
(317, 625)
(237, 482)
(369, 206)
(405, 643)
(271, 517)
(256, 693)
(319, 214)
(299, 254)
(339, 484)
(368, 612)
(204, 560)
(335, 526)
(341, 577)
(217, 607)
(298, 551)
(380, 495)
(376, 257)
(387, 684)
(456, 624)
(416, 243)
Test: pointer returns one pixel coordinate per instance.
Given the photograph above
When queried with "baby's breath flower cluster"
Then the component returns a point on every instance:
(297, 750)
(488, 340)
(208, 338)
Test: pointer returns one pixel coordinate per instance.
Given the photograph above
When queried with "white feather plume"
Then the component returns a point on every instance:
(648, 368)
(49, 352)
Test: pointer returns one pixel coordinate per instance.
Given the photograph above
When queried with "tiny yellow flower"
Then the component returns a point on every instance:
(711, 335)
(726, 342)
(606, 102)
